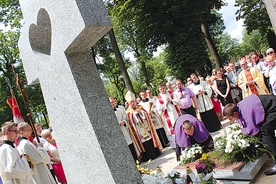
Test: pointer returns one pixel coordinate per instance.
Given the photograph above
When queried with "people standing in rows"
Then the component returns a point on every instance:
(150, 106)
(142, 130)
(251, 80)
(222, 88)
(14, 168)
(205, 106)
(38, 158)
(168, 108)
(121, 117)
(214, 97)
(232, 76)
(271, 72)
(52, 149)
(187, 99)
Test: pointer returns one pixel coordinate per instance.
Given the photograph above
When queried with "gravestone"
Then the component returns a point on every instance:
(271, 10)
(55, 47)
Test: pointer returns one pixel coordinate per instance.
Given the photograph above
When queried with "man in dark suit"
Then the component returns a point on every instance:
(233, 80)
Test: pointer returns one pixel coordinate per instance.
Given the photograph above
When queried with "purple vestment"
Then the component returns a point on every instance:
(251, 114)
(200, 133)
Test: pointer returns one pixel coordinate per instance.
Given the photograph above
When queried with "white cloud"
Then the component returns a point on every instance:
(233, 27)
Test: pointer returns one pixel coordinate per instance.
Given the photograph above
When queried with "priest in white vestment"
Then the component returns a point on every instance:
(14, 169)
(38, 157)
(205, 106)
(168, 108)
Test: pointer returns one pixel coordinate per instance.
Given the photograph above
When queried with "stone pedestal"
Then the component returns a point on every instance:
(246, 172)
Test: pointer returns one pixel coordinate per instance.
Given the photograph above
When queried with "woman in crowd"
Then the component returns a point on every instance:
(51, 147)
(222, 88)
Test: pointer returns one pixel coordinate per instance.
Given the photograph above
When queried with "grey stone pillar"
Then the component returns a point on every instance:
(55, 47)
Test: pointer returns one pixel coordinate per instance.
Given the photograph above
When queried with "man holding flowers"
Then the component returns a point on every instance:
(257, 116)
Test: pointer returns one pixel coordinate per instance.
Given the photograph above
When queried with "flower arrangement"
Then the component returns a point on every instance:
(205, 164)
(173, 175)
(234, 146)
(205, 168)
(190, 154)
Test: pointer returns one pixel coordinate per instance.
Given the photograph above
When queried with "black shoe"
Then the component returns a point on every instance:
(271, 171)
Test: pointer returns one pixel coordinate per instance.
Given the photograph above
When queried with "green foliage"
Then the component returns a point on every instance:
(255, 41)
(229, 48)
(256, 18)
(10, 14)
(254, 14)
(108, 67)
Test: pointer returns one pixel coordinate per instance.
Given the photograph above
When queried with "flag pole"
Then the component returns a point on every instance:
(24, 95)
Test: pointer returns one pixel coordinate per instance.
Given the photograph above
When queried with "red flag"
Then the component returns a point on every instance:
(17, 116)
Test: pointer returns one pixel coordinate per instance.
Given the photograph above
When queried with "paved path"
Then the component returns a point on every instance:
(167, 161)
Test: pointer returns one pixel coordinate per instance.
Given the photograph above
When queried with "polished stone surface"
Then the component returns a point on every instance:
(55, 47)
(246, 172)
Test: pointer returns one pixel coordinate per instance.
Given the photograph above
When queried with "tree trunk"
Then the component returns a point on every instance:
(120, 61)
(211, 45)
(145, 72)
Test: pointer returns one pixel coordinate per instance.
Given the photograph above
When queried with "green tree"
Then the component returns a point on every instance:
(163, 22)
(109, 69)
(256, 18)
(229, 48)
(254, 42)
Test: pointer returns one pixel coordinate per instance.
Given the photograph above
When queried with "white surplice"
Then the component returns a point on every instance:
(39, 158)
(13, 168)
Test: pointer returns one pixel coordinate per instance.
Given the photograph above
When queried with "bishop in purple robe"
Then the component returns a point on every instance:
(186, 135)
(257, 117)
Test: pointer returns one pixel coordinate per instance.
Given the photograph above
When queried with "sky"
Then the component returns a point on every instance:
(233, 27)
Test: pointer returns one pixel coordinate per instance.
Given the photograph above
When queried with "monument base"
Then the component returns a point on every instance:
(246, 173)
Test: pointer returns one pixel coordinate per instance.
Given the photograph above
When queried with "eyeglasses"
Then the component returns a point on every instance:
(270, 53)
(13, 131)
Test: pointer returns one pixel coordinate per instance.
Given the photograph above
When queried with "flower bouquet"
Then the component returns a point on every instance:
(205, 168)
(234, 146)
(190, 154)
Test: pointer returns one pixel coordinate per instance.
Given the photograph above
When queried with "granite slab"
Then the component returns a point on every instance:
(246, 172)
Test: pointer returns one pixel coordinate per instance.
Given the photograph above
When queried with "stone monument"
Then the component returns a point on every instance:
(271, 10)
(55, 47)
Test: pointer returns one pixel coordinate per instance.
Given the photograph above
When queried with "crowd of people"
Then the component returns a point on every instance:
(27, 160)
(185, 114)
(179, 116)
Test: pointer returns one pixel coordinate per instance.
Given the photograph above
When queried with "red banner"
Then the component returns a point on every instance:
(17, 116)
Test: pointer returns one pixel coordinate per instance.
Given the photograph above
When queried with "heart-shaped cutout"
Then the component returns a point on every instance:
(40, 35)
